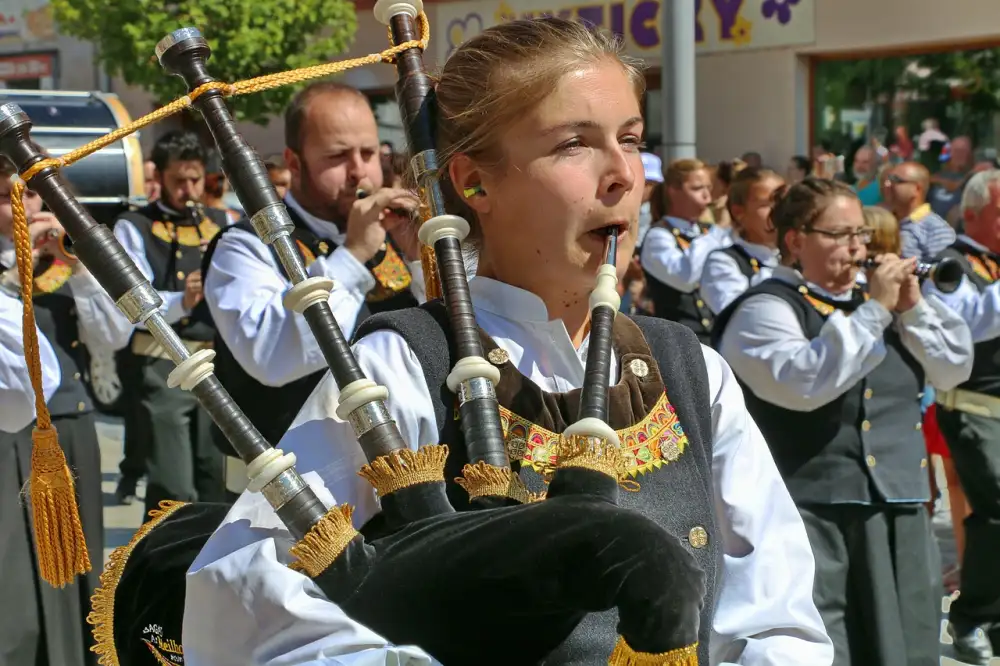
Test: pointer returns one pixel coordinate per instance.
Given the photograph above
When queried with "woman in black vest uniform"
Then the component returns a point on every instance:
(675, 249)
(47, 625)
(754, 253)
(833, 374)
(542, 160)
(166, 239)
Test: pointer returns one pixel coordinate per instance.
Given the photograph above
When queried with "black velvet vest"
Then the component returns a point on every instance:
(866, 446)
(173, 245)
(685, 308)
(748, 265)
(660, 408)
(981, 270)
(272, 409)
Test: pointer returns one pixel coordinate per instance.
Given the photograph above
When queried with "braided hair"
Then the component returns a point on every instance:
(798, 206)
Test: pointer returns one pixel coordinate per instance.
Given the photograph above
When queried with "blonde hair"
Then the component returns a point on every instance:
(885, 231)
(498, 76)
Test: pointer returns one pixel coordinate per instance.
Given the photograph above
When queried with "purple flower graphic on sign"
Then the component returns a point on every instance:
(780, 8)
(460, 30)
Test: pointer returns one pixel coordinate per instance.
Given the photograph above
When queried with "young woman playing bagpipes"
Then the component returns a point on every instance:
(539, 131)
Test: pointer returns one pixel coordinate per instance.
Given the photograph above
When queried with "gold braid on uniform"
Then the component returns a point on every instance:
(325, 541)
(485, 480)
(592, 453)
(405, 468)
(623, 655)
(102, 615)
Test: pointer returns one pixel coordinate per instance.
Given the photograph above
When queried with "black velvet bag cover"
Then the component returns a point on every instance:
(138, 611)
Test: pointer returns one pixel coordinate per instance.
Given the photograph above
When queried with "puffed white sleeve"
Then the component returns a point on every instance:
(17, 398)
(244, 605)
(764, 613)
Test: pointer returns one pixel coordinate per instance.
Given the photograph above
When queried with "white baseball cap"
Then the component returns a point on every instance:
(653, 168)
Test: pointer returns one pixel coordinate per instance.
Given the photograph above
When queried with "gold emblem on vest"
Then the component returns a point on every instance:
(186, 235)
(52, 278)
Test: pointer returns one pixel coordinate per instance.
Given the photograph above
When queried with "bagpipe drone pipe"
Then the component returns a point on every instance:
(456, 583)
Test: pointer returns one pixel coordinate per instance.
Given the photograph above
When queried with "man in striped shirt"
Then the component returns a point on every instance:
(923, 232)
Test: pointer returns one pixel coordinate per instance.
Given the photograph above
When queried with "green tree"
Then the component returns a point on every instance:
(248, 38)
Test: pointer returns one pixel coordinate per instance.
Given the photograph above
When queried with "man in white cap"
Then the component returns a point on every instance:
(653, 168)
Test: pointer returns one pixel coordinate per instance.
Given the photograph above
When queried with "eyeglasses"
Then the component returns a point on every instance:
(864, 236)
(893, 179)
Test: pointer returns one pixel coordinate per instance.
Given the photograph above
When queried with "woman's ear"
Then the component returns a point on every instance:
(467, 179)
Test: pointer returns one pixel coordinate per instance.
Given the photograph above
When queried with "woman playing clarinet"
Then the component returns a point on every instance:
(539, 134)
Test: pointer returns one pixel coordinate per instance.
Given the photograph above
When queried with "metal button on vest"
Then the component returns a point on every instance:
(868, 394)
(180, 275)
(76, 376)
(705, 323)
(918, 425)
(74, 344)
(700, 303)
(638, 367)
(179, 254)
(870, 459)
(80, 406)
(185, 321)
(866, 425)
(923, 462)
(698, 537)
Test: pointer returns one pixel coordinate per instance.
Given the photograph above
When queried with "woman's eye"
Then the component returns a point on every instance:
(570, 146)
(633, 143)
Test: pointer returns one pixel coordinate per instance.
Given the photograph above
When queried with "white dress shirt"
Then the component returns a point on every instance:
(981, 309)
(17, 398)
(245, 287)
(664, 259)
(101, 325)
(722, 280)
(245, 606)
(769, 351)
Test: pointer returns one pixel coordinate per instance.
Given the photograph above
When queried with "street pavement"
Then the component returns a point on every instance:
(120, 522)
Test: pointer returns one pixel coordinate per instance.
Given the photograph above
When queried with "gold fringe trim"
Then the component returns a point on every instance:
(623, 655)
(102, 614)
(592, 453)
(404, 468)
(325, 541)
(484, 480)
(59, 541)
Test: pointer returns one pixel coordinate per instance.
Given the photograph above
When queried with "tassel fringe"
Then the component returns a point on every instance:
(592, 453)
(623, 655)
(404, 468)
(325, 541)
(59, 541)
(102, 603)
(483, 480)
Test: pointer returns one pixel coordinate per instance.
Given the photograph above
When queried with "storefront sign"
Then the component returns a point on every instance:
(20, 67)
(720, 25)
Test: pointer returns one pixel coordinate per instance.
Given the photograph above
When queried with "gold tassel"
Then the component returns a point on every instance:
(483, 480)
(432, 281)
(102, 603)
(591, 453)
(325, 541)
(401, 469)
(59, 541)
(623, 655)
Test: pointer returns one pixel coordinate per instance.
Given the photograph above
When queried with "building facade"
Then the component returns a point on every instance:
(758, 68)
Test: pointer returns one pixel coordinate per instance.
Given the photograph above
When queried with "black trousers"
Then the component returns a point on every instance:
(877, 583)
(182, 462)
(42, 625)
(133, 464)
(975, 448)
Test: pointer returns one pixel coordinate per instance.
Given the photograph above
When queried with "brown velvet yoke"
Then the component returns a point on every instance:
(639, 410)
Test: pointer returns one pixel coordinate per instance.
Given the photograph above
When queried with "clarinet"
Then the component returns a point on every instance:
(473, 378)
(185, 53)
(272, 471)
